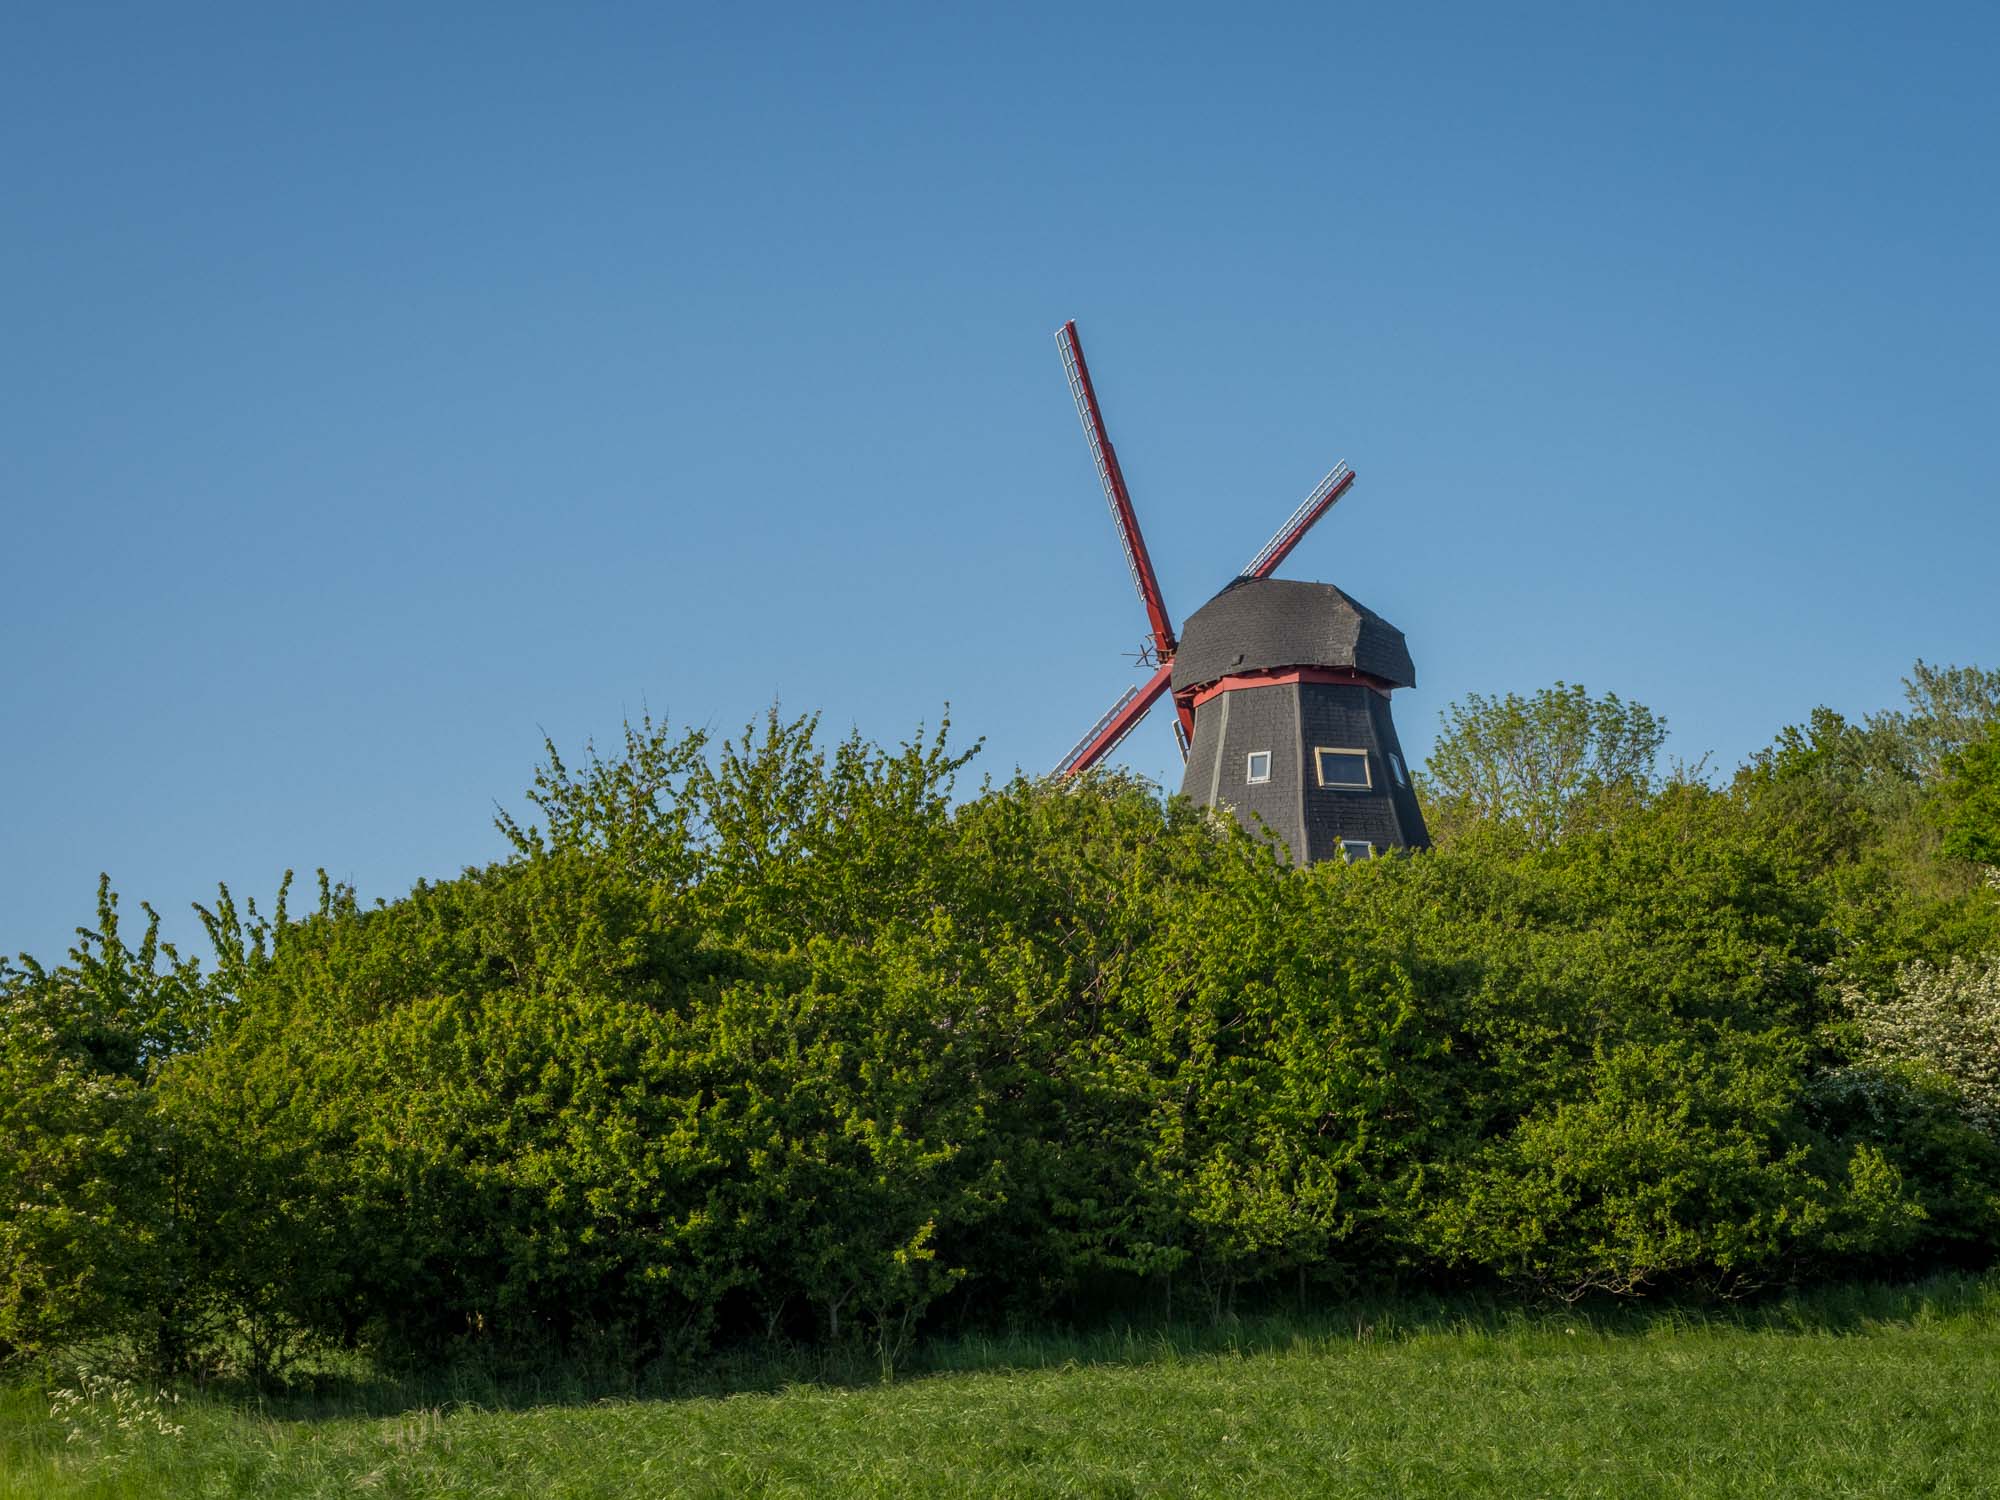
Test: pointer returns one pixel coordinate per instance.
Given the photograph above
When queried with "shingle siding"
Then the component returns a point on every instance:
(1340, 716)
(1263, 719)
(1292, 720)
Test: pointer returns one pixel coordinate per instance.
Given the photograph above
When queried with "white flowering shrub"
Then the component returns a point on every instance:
(1946, 1020)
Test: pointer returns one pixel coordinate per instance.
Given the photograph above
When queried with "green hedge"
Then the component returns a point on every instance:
(778, 1040)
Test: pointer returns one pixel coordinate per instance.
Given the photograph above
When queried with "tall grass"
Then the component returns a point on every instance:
(1863, 1390)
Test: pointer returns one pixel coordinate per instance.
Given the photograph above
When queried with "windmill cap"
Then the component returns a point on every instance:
(1257, 624)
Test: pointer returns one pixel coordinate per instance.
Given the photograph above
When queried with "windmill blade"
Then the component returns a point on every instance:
(1121, 720)
(1113, 479)
(1068, 763)
(1299, 522)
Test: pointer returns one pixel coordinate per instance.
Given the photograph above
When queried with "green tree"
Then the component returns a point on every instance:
(1846, 805)
(102, 1220)
(1538, 768)
(1966, 804)
(1947, 709)
(80, 1200)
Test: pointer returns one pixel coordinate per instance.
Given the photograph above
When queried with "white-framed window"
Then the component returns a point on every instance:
(1356, 849)
(1342, 767)
(1396, 769)
(1257, 767)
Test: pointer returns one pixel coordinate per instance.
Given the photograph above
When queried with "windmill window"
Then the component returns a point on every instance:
(1396, 769)
(1342, 768)
(1356, 849)
(1257, 767)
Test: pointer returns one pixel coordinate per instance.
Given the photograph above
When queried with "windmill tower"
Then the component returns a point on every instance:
(1280, 689)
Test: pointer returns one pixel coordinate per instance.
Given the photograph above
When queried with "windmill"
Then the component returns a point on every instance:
(1280, 689)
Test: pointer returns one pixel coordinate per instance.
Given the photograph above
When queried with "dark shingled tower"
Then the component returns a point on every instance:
(1280, 689)
(1290, 687)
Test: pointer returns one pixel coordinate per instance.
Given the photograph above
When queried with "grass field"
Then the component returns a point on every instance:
(1870, 1391)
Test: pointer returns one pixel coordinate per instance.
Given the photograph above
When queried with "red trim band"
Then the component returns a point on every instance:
(1279, 676)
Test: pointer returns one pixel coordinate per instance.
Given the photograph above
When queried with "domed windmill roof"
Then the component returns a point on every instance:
(1257, 624)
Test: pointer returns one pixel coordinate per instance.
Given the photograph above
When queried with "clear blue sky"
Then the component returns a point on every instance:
(386, 385)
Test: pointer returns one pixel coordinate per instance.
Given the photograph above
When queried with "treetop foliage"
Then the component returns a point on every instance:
(1948, 710)
(1539, 768)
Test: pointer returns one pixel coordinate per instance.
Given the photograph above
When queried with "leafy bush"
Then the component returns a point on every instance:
(774, 1039)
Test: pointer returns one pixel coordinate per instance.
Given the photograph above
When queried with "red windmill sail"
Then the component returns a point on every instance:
(1124, 715)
